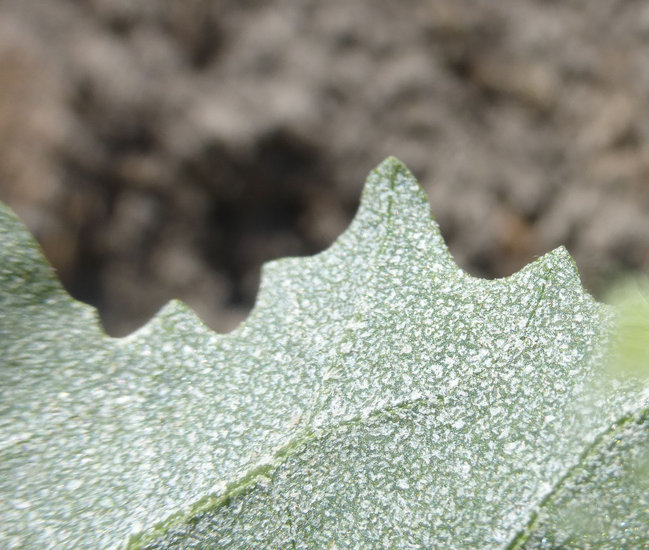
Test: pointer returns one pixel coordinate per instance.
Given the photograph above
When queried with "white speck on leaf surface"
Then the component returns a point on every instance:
(377, 397)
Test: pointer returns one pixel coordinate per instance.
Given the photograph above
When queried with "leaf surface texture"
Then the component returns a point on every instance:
(377, 396)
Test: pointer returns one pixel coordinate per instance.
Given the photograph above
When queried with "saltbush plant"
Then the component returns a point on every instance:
(376, 397)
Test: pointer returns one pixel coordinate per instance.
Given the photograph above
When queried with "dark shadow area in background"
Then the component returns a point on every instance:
(160, 150)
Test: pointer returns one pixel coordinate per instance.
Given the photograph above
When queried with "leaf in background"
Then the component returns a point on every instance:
(629, 354)
(377, 396)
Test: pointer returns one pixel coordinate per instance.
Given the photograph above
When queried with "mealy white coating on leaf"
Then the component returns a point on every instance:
(602, 503)
(377, 396)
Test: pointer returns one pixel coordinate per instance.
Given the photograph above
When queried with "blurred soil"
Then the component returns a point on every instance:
(164, 149)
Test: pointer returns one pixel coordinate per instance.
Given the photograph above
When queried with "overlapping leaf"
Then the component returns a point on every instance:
(376, 397)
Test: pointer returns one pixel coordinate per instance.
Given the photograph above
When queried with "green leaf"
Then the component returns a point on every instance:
(377, 396)
(601, 502)
(629, 354)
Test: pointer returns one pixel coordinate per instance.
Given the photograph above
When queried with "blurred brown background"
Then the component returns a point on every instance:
(164, 149)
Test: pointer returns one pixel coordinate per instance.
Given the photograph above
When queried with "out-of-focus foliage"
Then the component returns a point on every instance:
(630, 353)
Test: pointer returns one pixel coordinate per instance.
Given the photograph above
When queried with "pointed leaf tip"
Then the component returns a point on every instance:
(392, 166)
(394, 175)
(392, 191)
(563, 267)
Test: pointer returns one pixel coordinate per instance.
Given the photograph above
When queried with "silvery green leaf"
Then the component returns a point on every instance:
(602, 502)
(377, 396)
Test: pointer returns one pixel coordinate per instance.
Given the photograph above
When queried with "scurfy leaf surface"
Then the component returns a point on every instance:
(377, 396)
